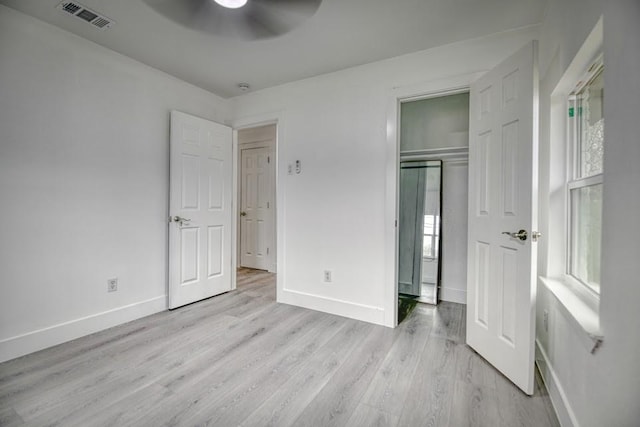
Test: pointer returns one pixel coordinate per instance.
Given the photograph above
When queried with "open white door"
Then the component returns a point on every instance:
(200, 209)
(503, 166)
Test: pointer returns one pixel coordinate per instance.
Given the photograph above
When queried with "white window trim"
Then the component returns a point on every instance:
(577, 301)
(584, 182)
(586, 292)
(579, 312)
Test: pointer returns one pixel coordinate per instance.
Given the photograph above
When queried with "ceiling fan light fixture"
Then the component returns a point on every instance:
(231, 4)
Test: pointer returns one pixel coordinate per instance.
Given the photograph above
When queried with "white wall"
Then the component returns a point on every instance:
(455, 199)
(440, 122)
(602, 388)
(83, 183)
(337, 213)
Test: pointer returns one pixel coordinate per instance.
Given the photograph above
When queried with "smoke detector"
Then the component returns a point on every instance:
(244, 86)
(87, 15)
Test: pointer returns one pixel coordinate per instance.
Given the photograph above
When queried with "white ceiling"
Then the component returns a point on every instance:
(342, 34)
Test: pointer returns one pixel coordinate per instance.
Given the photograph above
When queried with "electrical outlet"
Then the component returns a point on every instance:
(112, 285)
(290, 169)
(545, 320)
(327, 276)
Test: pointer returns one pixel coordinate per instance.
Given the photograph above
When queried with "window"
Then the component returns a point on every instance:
(584, 184)
(571, 265)
(430, 240)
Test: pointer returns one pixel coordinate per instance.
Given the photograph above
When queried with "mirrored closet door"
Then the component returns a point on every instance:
(419, 229)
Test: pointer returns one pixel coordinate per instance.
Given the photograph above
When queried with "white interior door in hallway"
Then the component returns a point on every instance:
(502, 216)
(257, 172)
(200, 253)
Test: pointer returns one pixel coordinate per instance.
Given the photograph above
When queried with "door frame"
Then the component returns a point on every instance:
(272, 146)
(431, 89)
(277, 118)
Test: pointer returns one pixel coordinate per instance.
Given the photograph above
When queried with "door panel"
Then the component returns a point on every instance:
(215, 242)
(483, 164)
(502, 165)
(216, 192)
(190, 182)
(481, 303)
(189, 251)
(199, 194)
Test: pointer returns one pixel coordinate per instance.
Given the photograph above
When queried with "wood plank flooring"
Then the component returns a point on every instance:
(241, 359)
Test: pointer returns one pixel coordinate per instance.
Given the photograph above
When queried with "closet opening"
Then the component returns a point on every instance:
(432, 202)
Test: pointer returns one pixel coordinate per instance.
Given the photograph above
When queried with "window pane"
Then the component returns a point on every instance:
(427, 247)
(431, 225)
(591, 124)
(586, 220)
(428, 224)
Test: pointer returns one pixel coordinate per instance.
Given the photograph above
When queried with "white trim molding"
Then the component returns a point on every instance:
(565, 414)
(33, 341)
(366, 313)
(444, 154)
(584, 318)
(453, 295)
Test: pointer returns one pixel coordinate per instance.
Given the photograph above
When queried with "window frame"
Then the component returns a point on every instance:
(577, 302)
(573, 181)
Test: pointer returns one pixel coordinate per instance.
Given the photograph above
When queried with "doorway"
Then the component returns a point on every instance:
(432, 202)
(502, 152)
(256, 225)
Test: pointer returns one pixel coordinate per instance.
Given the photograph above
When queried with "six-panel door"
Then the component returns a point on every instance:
(200, 209)
(501, 268)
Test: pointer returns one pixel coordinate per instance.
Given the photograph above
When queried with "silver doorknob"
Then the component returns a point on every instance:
(243, 213)
(179, 220)
(521, 234)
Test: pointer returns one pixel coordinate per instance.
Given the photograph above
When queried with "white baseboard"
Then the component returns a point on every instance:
(565, 414)
(366, 313)
(453, 295)
(17, 346)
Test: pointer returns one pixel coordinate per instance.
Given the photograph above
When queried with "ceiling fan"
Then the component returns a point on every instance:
(239, 19)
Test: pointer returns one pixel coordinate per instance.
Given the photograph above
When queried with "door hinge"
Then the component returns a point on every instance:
(268, 159)
(267, 251)
(267, 205)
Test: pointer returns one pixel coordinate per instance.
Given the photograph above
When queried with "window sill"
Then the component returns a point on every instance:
(582, 316)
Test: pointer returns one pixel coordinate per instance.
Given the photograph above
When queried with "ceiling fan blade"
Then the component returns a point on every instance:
(258, 19)
(270, 18)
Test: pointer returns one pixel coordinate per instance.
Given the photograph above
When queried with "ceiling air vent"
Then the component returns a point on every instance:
(86, 14)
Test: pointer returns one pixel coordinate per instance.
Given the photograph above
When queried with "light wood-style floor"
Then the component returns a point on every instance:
(242, 359)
